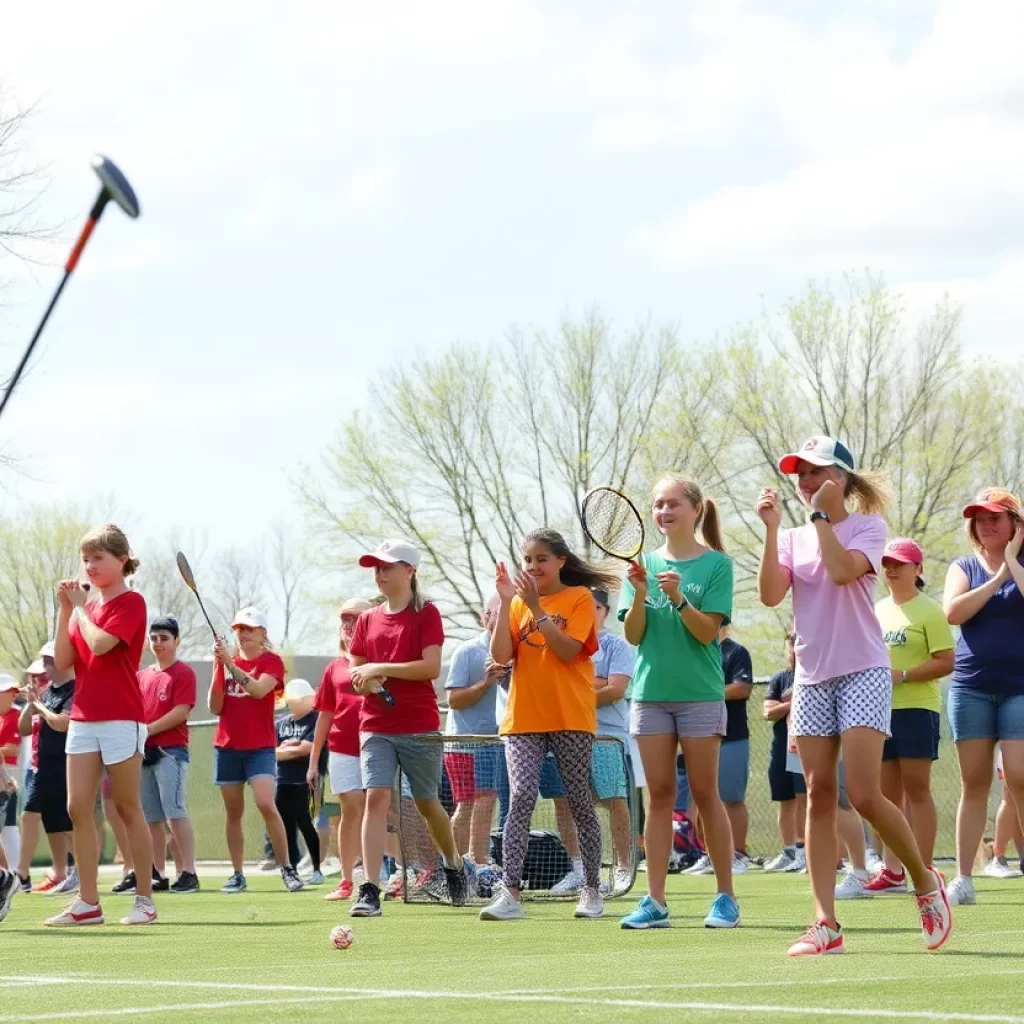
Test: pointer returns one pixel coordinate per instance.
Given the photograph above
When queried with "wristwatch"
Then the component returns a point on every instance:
(818, 514)
(682, 603)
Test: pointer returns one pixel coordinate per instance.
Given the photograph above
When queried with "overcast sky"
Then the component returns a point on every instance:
(330, 187)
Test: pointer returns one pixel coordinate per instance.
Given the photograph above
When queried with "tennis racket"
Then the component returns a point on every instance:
(190, 581)
(612, 522)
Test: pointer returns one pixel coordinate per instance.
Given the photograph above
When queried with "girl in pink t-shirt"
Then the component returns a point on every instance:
(842, 692)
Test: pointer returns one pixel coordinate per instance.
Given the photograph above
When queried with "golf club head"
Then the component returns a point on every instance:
(116, 185)
(186, 570)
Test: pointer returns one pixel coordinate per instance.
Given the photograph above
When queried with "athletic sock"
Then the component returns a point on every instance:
(577, 865)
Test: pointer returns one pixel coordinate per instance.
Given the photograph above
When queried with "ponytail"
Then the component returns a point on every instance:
(868, 491)
(418, 600)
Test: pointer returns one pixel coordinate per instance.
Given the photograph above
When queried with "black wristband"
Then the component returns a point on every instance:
(818, 514)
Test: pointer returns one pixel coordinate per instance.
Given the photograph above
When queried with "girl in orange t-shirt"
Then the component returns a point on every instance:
(547, 628)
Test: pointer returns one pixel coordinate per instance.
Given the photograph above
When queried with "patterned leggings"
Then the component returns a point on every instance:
(525, 755)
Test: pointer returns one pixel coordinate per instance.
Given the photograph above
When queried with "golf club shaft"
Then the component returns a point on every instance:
(69, 268)
(205, 616)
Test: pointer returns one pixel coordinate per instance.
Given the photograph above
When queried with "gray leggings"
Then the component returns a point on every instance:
(525, 753)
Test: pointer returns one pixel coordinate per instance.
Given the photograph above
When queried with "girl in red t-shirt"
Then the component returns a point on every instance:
(397, 646)
(338, 726)
(101, 632)
(246, 743)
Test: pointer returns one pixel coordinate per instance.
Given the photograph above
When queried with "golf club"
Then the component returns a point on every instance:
(113, 185)
(190, 581)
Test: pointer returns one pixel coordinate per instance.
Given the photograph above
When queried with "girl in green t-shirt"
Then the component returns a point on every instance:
(672, 605)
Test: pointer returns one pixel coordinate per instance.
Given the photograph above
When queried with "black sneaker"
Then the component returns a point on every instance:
(236, 883)
(9, 885)
(458, 889)
(160, 883)
(26, 882)
(126, 885)
(291, 879)
(187, 881)
(368, 904)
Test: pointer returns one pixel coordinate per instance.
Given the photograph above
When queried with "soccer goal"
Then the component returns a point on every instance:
(474, 791)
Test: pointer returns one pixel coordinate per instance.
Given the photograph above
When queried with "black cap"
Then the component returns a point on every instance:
(166, 624)
(601, 596)
(726, 621)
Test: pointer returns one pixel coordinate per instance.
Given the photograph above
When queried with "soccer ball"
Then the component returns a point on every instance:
(341, 937)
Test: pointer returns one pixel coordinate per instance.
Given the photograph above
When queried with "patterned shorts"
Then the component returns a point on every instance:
(860, 699)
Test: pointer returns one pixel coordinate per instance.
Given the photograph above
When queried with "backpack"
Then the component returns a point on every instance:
(546, 861)
(686, 845)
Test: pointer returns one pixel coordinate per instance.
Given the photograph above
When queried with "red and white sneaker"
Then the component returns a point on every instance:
(343, 892)
(143, 912)
(819, 940)
(76, 913)
(886, 882)
(47, 884)
(936, 917)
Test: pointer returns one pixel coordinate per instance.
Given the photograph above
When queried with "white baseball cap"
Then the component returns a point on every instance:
(37, 668)
(818, 451)
(8, 682)
(250, 616)
(296, 689)
(48, 650)
(390, 552)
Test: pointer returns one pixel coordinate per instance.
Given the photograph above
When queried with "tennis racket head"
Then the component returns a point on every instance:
(186, 570)
(613, 523)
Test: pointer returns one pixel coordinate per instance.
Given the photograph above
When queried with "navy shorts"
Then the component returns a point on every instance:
(47, 796)
(914, 732)
(780, 778)
(236, 767)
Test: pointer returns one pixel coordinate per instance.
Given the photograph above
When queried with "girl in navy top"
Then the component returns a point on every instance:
(983, 597)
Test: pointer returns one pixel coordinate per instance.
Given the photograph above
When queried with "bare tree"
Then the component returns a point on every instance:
(291, 571)
(165, 591)
(238, 580)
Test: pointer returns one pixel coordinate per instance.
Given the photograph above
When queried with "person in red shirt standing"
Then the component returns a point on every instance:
(246, 741)
(168, 695)
(100, 634)
(397, 647)
(10, 747)
(338, 726)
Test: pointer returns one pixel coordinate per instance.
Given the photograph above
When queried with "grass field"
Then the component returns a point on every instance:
(265, 956)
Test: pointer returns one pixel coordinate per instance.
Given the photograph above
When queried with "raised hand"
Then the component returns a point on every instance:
(668, 584)
(768, 507)
(526, 588)
(827, 494)
(503, 583)
(637, 576)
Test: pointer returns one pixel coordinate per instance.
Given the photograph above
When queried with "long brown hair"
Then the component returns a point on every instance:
(867, 490)
(575, 572)
(707, 511)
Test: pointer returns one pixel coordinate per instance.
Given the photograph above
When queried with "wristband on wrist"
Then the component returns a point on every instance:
(818, 514)
(682, 604)
(543, 618)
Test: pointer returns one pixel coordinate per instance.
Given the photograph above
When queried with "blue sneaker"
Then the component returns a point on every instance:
(725, 912)
(647, 915)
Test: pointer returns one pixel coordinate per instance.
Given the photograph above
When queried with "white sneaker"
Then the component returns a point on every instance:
(961, 892)
(873, 862)
(590, 904)
(143, 912)
(740, 864)
(799, 864)
(622, 880)
(779, 863)
(305, 865)
(68, 887)
(571, 883)
(76, 913)
(331, 866)
(702, 867)
(998, 868)
(504, 907)
(852, 888)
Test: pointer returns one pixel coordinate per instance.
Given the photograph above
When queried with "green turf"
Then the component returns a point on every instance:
(549, 967)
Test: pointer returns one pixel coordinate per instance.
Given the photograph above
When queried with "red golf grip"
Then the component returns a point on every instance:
(80, 245)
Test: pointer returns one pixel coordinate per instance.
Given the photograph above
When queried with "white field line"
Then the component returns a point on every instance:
(641, 1004)
(319, 995)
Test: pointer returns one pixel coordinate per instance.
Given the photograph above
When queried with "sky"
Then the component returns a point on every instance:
(329, 188)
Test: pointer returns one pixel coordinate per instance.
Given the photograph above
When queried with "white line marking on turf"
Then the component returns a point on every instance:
(352, 994)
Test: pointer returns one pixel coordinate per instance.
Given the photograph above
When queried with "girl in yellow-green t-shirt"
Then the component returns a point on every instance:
(920, 645)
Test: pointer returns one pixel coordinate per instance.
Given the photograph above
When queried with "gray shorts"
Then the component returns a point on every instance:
(163, 789)
(687, 719)
(382, 754)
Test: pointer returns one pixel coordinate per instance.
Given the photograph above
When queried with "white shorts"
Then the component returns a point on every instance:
(345, 773)
(638, 766)
(113, 741)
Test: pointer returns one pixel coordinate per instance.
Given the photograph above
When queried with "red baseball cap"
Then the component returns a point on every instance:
(993, 499)
(903, 549)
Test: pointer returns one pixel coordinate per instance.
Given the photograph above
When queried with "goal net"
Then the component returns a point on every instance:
(475, 793)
